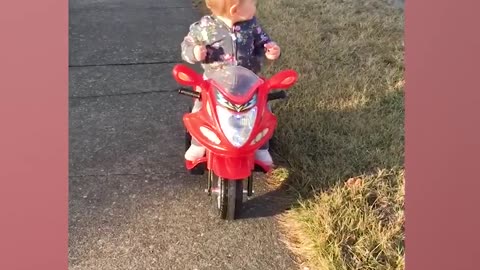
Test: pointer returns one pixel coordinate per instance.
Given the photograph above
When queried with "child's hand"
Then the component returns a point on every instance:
(200, 52)
(273, 51)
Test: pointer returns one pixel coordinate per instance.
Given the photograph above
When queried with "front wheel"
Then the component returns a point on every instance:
(229, 198)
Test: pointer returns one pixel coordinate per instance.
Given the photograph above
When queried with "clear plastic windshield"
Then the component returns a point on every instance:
(235, 80)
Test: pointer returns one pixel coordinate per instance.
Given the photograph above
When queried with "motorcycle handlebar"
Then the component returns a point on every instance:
(271, 96)
(277, 95)
(188, 92)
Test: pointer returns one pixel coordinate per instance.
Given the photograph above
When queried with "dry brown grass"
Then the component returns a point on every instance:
(344, 119)
(358, 225)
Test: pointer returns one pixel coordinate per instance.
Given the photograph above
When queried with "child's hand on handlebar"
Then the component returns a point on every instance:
(200, 52)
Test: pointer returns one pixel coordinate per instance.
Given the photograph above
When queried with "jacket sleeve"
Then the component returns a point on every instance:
(261, 38)
(192, 39)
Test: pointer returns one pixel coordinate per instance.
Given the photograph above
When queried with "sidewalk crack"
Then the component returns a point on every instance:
(123, 94)
(124, 64)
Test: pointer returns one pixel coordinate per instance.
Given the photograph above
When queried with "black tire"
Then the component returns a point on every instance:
(230, 198)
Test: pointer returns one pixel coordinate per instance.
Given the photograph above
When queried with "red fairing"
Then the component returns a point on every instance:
(234, 168)
(194, 121)
(190, 165)
(224, 159)
(236, 84)
(238, 99)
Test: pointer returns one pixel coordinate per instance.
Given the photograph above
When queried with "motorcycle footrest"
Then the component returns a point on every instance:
(258, 169)
(198, 170)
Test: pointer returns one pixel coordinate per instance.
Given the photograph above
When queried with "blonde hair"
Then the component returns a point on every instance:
(221, 7)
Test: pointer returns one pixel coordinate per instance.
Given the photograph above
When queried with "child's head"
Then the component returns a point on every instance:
(236, 10)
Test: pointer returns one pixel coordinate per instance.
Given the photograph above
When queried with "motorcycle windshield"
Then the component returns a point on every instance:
(235, 82)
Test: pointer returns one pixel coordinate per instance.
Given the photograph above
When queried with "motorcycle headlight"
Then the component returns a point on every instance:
(237, 127)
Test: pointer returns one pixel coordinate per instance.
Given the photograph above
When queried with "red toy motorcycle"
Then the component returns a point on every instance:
(232, 124)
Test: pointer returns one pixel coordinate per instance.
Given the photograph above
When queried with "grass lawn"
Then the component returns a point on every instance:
(340, 140)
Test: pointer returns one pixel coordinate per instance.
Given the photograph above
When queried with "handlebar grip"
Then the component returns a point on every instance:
(188, 92)
(277, 95)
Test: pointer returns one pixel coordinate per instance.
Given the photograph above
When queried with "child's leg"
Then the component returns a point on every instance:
(196, 107)
(266, 146)
(196, 150)
(262, 153)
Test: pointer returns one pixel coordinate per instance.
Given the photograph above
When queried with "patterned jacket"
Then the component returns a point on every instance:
(243, 44)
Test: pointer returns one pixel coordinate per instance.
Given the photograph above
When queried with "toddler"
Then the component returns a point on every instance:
(230, 36)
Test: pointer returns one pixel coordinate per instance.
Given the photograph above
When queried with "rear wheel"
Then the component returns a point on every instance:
(229, 198)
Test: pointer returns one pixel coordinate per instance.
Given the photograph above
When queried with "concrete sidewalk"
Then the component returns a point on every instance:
(132, 205)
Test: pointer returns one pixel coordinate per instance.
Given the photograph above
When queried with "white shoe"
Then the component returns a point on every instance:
(194, 152)
(264, 156)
